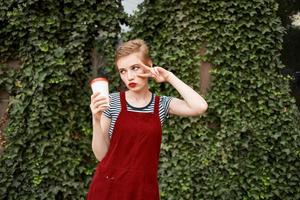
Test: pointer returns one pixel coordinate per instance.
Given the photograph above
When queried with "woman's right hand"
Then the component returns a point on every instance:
(98, 105)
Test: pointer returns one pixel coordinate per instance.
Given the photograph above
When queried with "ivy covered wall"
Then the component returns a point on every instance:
(48, 153)
(247, 145)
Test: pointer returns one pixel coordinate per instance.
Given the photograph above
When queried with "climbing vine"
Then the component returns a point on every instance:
(48, 152)
(247, 144)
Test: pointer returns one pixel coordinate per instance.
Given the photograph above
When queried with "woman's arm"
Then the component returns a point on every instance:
(100, 141)
(191, 105)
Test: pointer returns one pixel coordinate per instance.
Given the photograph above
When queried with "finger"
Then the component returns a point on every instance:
(99, 103)
(105, 100)
(100, 97)
(98, 106)
(145, 75)
(94, 95)
(153, 73)
(155, 69)
(145, 66)
(101, 109)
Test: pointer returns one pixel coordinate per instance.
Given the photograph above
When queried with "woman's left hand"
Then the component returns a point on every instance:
(159, 74)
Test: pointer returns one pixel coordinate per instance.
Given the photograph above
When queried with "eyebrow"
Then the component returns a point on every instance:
(129, 67)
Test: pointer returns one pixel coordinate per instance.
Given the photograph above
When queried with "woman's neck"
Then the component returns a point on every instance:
(139, 95)
(139, 98)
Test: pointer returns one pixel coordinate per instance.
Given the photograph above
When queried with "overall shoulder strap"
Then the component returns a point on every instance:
(156, 104)
(123, 101)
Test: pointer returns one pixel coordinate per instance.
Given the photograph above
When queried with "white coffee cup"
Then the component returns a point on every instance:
(100, 84)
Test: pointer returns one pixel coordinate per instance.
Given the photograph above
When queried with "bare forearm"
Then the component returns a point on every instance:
(190, 96)
(100, 142)
(191, 105)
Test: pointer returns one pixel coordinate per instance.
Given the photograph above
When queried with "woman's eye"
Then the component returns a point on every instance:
(122, 72)
(135, 68)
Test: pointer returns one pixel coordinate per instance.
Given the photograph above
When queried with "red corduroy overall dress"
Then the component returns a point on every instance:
(129, 169)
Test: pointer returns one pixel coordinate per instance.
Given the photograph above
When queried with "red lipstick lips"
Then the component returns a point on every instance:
(132, 84)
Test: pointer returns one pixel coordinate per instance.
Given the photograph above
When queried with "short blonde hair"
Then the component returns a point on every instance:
(132, 46)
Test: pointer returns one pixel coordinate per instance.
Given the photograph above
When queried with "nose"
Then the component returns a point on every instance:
(130, 75)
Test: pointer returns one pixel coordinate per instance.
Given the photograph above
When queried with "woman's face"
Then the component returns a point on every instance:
(129, 67)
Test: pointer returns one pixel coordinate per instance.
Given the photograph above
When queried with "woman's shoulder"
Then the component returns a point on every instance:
(164, 98)
(164, 102)
(114, 97)
(114, 94)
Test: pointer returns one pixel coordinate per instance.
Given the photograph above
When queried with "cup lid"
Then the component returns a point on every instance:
(98, 79)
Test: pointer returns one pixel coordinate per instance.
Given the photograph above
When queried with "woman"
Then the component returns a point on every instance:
(127, 135)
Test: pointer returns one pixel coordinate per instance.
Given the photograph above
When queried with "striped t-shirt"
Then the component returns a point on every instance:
(115, 108)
